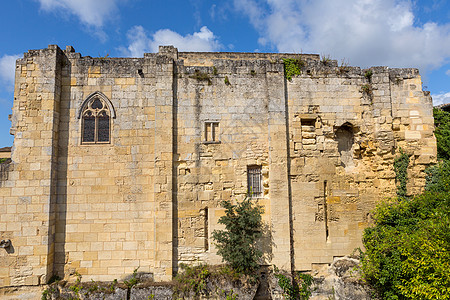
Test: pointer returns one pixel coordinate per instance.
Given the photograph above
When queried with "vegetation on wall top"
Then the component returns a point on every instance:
(292, 67)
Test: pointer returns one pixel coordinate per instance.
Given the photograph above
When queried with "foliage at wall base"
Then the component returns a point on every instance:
(295, 287)
(408, 248)
(237, 243)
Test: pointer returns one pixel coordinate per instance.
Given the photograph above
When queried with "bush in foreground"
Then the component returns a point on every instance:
(408, 248)
(237, 243)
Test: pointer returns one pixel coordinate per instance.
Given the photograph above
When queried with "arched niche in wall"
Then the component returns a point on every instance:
(345, 137)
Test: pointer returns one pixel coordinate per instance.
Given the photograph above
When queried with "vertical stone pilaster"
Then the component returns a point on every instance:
(278, 173)
(35, 125)
(163, 169)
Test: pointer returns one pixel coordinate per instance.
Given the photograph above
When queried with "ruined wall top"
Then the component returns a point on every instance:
(207, 59)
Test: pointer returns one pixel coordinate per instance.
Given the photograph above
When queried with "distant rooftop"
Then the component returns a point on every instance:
(444, 107)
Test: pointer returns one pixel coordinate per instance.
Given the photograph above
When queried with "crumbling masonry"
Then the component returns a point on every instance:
(121, 163)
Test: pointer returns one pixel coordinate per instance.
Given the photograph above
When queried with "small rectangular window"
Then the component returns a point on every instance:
(308, 122)
(211, 131)
(254, 178)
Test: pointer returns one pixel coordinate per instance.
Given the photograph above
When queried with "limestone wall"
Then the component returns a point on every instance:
(334, 189)
(185, 129)
(114, 199)
(27, 198)
(242, 98)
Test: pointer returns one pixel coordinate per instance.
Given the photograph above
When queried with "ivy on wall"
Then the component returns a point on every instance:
(401, 163)
(292, 67)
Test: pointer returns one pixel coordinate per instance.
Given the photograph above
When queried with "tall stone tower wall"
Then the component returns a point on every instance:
(186, 131)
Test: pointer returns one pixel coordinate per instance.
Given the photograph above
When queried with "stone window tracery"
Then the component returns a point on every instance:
(96, 122)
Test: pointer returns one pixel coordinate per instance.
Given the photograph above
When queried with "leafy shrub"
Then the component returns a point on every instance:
(133, 280)
(401, 163)
(343, 68)
(408, 248)
(200, 76)
(299, 287)
(438, 177)
(367, 89)
(192, 279)
(237, 243)
(292, 67)
(325, 59)
(368, 75)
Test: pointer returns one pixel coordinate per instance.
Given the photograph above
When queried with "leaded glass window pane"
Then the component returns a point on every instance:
(103, 128)
(97, 104)
(88, 129)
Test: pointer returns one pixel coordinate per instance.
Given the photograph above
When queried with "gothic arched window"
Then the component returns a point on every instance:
(96, 120)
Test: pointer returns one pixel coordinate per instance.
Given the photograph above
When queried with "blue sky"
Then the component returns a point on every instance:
(362, 32)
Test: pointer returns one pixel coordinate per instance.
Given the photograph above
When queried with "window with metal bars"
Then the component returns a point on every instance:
(254, 181)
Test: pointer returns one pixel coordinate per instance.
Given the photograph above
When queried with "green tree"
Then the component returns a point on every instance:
(401, 163)
(237, 243)
(438, 177)
(408, 248)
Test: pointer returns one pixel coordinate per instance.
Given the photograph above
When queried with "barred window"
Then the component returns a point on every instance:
(254, 178)
(96, 122)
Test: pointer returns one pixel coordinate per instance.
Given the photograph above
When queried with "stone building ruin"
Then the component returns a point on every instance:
(121, 163)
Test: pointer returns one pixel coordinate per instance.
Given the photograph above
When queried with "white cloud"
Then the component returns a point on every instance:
(140, 42)
(447, 72)
(7, 71)
(90, 12)
(365, 32)
(441, 99)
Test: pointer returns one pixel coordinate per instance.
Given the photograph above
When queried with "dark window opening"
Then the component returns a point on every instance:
(254, 181)
(88, 129)
(308, 122)
(206, 229)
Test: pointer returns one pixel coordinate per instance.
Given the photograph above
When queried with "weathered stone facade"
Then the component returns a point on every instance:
(184, 130)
